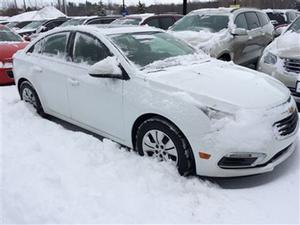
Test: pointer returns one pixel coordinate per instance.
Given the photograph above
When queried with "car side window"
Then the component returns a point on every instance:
(263, 18)
(241, 21)
(252, 20)
(153, 22)
(166, 22)
(88, 50)
(95, 21)
(55, 45)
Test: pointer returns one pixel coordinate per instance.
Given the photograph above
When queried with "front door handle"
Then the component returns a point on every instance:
(73, 82)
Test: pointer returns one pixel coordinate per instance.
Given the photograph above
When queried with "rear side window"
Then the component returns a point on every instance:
(263, 18)
(55, 45)
(241, 21)
(154, 22)
(166, 22)
(88, 50)
(252, 20)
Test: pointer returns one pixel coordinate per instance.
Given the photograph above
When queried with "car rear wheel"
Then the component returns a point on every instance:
(29, 95)
(160, 139)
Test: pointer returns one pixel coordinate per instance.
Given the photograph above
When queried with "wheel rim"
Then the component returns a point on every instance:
(158, 144)
(28, 96)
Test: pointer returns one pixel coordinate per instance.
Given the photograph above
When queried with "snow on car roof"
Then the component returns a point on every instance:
(220, 10)
(279, 10)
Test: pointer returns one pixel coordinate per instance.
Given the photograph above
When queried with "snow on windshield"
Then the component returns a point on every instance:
(148, 47)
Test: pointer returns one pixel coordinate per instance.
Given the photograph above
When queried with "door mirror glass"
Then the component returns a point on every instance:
(239, 31)
(106, 68)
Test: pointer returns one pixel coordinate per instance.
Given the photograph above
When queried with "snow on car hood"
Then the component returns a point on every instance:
(203, 40)
(213, 81)
(287, 45)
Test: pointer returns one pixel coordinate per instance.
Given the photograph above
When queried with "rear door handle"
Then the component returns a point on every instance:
(73, 81)
(37, 69)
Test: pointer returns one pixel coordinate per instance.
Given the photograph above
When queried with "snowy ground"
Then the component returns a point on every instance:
(51, 174)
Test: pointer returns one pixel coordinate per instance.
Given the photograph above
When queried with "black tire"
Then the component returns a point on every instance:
(25, 85)
(225, 58)
(185, 161)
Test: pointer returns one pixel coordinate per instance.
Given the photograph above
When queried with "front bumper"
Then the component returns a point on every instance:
(287, 78)
(260, 137)
(6, 76)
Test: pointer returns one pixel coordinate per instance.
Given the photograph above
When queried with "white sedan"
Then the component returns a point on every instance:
(147, 90)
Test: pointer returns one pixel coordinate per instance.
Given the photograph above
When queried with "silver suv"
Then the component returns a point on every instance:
(239, 35)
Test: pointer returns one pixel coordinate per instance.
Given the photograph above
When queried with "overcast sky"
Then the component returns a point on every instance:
(128, 2)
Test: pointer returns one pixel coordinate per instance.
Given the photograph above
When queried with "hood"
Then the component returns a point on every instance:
(203, 39)
(215, 83)
(288, 45)
(8, 49)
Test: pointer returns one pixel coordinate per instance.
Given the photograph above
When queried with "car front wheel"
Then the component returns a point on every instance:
(161, 139)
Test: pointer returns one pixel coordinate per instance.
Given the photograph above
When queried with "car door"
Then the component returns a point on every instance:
(49, 60)
(241, 42)
(254, 35)
(94, 102)
(266, 31)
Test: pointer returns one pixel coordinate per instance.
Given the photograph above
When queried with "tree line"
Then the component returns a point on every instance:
(88, 8)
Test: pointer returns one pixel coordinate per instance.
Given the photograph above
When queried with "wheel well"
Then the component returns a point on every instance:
(21, 80)
(225, 57)
(145, 117)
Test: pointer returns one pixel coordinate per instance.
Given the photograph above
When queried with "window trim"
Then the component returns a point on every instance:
(235, 19)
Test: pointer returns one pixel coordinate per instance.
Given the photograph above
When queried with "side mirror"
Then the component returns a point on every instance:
(107, 68)
(239, 32)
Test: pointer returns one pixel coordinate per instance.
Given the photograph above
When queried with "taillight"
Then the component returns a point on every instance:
(6, 64)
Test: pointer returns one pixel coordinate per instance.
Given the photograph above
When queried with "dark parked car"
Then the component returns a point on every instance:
(90, 20)
(281, 17)
(40, 26)
(162, 21)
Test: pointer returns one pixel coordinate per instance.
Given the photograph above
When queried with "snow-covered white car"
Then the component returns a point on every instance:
(228, 34)
(152, 92)
(281, 59)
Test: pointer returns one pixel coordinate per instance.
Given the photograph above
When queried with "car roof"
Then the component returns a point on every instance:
(107, 29)
(222, 10)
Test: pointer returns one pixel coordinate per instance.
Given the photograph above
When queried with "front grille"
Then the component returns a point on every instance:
(291, 65)
(288, 125)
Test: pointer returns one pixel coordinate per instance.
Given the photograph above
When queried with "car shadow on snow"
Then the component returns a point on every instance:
(226, 183)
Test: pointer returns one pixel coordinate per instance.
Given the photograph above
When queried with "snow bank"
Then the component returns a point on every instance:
(54, 175)
(48, 12)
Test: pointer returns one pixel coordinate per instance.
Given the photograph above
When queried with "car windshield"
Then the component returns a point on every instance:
(34, 24)
(212, 23)
(148, 47)
(7, 35)
(295, 27)
(73, 22)
(128, 21)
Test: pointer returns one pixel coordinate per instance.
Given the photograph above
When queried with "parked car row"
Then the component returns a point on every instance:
(151, 91)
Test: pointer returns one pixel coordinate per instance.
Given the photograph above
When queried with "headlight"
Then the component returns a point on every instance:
(270, 58)
(215, 114)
